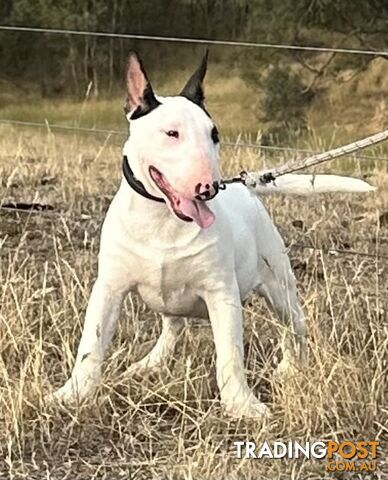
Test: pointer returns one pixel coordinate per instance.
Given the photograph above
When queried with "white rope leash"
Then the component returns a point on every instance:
(252, 179)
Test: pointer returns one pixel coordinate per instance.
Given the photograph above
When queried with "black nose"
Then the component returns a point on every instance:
(206, 192)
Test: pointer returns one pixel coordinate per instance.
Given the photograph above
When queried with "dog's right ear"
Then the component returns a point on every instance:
(140, 96)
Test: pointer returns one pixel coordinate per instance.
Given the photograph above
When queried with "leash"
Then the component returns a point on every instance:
(252, 179)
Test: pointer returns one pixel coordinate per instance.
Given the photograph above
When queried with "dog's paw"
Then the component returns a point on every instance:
(138, 369)
(73, 392)
(252, 407)
(66, 394)
(145, 367)
(287, 369)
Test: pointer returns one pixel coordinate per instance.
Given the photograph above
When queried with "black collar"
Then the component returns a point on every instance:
(136, 184)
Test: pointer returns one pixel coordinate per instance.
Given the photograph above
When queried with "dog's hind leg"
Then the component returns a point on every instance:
(100, 324)
(279, 289)
(164, 347)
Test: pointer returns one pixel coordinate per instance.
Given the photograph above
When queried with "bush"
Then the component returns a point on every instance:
(285, 103)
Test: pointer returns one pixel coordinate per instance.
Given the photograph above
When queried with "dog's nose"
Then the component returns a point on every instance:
(206, 191)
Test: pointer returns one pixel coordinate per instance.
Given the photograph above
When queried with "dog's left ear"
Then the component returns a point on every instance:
(193, 90)
(141, 98)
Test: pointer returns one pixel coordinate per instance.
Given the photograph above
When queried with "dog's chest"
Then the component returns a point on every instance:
(167, 282)
(179, 302)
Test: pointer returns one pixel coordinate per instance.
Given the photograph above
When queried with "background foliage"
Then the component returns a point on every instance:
(286, 82)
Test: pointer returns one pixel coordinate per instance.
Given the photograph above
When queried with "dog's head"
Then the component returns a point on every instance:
(173, 148)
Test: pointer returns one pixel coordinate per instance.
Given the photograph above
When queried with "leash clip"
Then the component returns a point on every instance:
(251, 182)
(240, 179)
(244, 177)
(248, 180)
(267, 177)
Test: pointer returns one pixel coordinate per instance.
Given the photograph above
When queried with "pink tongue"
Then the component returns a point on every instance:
(198, 211)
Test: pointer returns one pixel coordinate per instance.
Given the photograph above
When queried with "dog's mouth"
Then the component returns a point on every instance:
(184, 208)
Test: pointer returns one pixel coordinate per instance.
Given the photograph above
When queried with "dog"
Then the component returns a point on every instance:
(187, 247)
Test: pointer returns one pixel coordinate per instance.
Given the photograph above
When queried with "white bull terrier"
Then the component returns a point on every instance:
(185, 250)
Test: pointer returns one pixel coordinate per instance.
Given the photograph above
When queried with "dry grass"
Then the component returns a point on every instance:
(170, 425)
(351, 101)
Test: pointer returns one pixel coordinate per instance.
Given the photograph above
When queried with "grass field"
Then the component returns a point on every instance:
(170, 425)
(353, 102)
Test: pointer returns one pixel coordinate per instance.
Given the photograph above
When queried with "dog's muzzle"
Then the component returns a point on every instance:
(207, 191)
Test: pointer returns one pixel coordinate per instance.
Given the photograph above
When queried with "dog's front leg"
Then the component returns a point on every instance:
(225, 312)
(100, 323)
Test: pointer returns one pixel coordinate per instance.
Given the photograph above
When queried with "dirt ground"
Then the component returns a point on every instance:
(170, 425)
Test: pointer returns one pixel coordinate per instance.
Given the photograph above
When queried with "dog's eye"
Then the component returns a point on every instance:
(173, 133)
(215, 135)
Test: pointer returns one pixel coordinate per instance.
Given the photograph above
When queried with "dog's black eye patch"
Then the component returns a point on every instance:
(173, 133)
(215, 135)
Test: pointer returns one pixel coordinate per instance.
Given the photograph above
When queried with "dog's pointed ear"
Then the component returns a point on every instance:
(140, 96)
(193, 90)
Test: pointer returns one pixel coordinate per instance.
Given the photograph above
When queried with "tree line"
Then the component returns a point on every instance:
(66, 64)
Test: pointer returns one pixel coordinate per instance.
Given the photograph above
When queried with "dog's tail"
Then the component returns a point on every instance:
(302, 184)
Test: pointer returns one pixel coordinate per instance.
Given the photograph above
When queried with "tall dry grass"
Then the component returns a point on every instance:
(170, 425)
